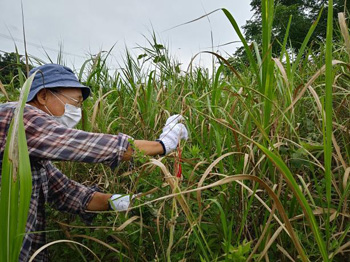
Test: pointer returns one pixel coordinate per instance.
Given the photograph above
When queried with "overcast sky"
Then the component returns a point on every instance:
(86, 27)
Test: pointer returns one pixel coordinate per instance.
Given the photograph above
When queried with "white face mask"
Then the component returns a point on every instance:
(70, 117)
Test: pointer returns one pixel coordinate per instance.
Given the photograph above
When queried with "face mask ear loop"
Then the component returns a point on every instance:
(57, 97)
(48, 110)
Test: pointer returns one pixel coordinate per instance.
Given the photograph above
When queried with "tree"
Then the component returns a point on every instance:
(9, 68)
(303, 12)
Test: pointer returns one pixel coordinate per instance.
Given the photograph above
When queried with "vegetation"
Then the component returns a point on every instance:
(265, 171)
(10, 65)
(299, 13)
(14, 195)
(302, 12)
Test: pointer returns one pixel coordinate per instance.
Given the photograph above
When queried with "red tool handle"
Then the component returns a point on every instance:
(179, 169)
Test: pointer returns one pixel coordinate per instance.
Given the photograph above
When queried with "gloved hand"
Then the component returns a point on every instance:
(173, 132)
(119, 202)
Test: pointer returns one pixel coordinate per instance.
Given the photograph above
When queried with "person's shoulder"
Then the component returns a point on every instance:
(32, 110)
(13, 105)
(34, 116)
(8, 105)
(7, 109)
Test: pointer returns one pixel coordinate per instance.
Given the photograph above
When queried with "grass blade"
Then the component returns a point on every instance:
(300, 197)
(329, 111)
(16, 183)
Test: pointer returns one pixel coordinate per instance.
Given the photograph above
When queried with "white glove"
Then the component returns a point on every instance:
(173, 132)
(174, 119)
(119, 202)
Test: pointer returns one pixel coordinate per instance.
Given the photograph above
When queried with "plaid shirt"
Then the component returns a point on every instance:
(48, 140)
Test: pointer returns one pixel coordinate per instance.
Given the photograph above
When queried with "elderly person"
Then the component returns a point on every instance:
(52, 111)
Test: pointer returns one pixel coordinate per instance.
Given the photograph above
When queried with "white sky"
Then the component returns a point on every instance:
(87, 27)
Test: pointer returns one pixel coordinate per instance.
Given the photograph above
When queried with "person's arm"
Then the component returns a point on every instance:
(150, 148)
(99, 202)
(70, 196)
(104, 202)
(49, 140)
(67, 195)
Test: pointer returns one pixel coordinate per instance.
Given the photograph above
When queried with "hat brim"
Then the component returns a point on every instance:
(86, 91)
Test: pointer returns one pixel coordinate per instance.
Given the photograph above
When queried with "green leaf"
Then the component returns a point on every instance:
(278, 162)
(16, 185)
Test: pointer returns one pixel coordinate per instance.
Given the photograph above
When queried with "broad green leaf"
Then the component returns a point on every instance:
(16, 185)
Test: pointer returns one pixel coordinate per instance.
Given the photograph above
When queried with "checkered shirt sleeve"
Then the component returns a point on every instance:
(47, 139)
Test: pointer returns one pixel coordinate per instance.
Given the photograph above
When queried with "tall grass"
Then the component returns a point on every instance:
(16, 183)
(224, 118)
(265, 173)
(328, 122)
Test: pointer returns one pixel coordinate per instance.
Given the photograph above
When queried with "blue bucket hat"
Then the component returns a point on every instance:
(53, 76)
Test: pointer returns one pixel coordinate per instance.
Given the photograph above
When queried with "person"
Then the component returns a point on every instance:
(52, 111)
